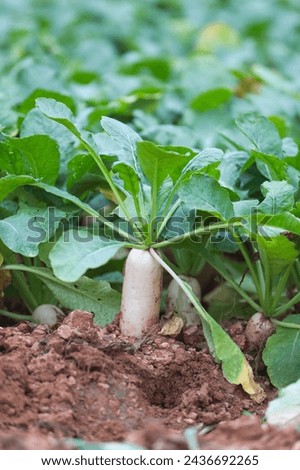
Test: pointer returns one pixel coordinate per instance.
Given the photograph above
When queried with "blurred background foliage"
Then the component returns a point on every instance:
(179, 71)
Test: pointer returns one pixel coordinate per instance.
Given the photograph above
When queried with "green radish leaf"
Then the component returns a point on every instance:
(11, 162)
(285, 409)
(279, 197)
(204, 193)
(244, 208)
(86, 294)
(36, 122)
(37, 156)
(159, 67)
(29, 102)
(59, 112)
(81, 166)
(106, 145)
(224, 303)
(124, 136)
(82, 205)
(182, 221)
(164, 193)
(158, 163)
(9, 183)
(282, 352)
(262, 133)
(132, 185)
(62, 114)
(211, 99)
(289, 147)
(293, 176)
(277, 253)
(24, 231)
(230, 169)
(79, 250)
(294, 163)
(270, 166)
(94, 296)
(129, 177)
(203, 159)
(286, 221)
(130, 204)
(65, 195)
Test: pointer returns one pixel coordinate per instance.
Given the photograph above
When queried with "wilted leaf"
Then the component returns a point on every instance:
(235, 367)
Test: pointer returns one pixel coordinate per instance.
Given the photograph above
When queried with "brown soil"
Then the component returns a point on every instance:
(80, 381)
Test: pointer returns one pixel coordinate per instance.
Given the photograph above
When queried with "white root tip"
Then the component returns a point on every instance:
(47, 314)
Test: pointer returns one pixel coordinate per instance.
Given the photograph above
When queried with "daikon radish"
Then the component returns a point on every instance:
(141, 293)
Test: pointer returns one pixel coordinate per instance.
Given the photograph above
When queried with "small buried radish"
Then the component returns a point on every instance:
(258, 330)
(178, 301)
(48, 314)
(141, 293)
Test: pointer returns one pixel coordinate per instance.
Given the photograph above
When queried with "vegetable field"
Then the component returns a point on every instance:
(149, 224)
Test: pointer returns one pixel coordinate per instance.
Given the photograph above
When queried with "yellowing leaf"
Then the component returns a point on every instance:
(246, 379)
(236, 368)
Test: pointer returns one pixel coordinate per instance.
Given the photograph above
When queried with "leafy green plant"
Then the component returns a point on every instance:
(157, 190)
(268, 240)
(71, 200)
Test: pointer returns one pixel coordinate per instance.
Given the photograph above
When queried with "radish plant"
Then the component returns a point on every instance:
(72, 203)
(157, 198)
(161, 197)
(269, 238)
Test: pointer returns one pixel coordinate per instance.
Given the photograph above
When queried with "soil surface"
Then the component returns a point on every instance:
(77, 380)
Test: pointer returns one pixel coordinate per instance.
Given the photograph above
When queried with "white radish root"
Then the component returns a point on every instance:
(258, 329)
(47, 314)
(141, 293)
(178, 302)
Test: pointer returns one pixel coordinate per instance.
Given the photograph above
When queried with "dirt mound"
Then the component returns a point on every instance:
(80, 381)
